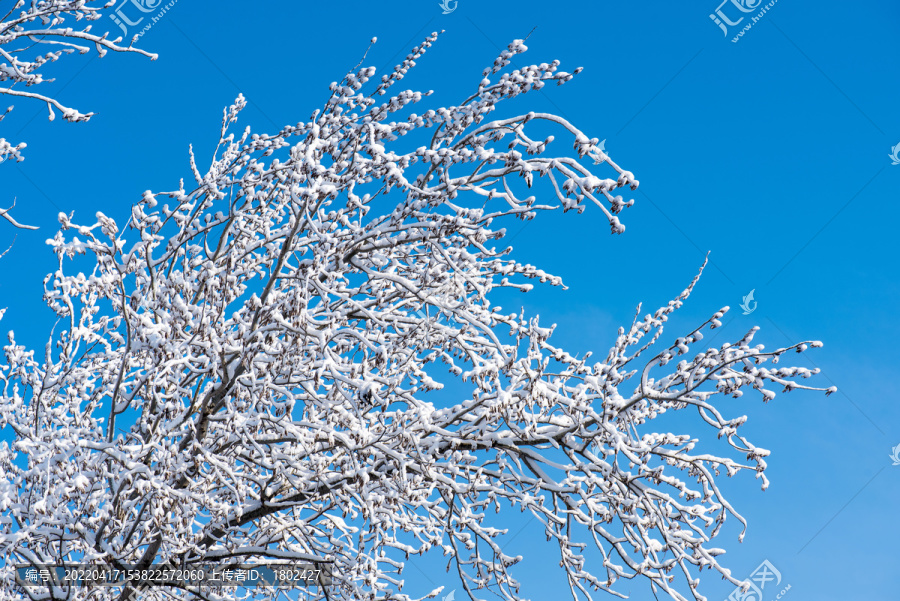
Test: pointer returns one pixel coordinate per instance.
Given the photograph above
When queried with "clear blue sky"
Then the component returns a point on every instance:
(772, 153)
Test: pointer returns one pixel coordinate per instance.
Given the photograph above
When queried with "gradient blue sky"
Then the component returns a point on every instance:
(772, 153)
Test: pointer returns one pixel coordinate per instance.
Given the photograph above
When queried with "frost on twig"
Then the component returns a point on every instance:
(246, 365)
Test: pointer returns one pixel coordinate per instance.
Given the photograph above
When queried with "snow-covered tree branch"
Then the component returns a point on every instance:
(249, 370)
(36, 33)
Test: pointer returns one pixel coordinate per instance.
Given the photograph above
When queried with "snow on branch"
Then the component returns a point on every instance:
(5, 214)
(247, 366)
(36, 33)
